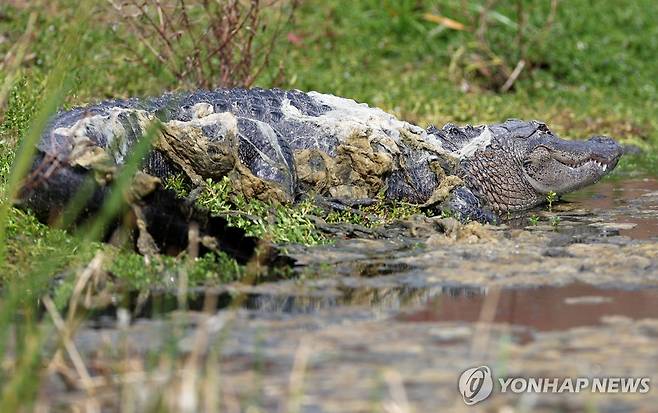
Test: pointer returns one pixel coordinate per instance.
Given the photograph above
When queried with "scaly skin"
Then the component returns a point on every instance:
(279, 145)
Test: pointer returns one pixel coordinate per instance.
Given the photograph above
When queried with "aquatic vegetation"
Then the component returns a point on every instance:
(555, 220)
(376, 214)
(534, 220)
(275, 222)
(550, 198)
(286, 223)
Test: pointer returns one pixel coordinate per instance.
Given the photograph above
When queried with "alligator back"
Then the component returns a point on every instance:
(273, 144)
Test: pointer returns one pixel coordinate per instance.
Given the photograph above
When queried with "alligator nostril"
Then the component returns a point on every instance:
(603, 140)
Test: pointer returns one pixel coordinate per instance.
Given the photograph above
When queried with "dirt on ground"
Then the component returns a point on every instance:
(388, 321)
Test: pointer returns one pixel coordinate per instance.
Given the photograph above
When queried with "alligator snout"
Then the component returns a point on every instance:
(606, 150)
(608, 144)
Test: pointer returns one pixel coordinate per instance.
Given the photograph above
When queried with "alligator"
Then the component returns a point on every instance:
(280, 145)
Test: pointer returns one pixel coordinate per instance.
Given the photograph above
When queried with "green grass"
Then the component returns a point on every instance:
(279, 223)
(377, 214)
(599, 67)
(211, 268)
(285, 224)
(275, 222)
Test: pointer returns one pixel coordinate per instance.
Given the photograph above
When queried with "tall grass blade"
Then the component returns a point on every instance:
(13, 68)
(21, 291)
(95, 228)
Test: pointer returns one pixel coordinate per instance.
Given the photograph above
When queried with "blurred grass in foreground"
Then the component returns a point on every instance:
(21, 292)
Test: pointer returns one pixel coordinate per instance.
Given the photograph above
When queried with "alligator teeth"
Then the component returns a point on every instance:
(599, 164)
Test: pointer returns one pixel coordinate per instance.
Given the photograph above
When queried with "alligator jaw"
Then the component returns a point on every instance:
(564, 166)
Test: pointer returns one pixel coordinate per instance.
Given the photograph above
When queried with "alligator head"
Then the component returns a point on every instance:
(514, 165)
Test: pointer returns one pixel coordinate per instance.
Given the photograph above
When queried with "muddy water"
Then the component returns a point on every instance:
(617, 198)
(390, 322)
(543, 308)
(610, 194)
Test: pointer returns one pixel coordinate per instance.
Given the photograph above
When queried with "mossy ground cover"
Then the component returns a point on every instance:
(594, 72)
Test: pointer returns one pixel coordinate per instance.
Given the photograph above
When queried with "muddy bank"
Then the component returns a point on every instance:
(388, 321)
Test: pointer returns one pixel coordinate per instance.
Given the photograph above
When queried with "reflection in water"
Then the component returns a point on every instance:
(633, 201)
(541, 308)
(627, 201)
(611, 194)
(379, 298)
(383, 299)
(545, 308)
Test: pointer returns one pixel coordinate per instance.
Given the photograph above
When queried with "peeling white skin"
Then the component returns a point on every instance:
(290, 111)
(348, 117)
(226, 120)
(109, 126)
(476, 144)
(361, 113)
(202, 109)
(344, 121)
